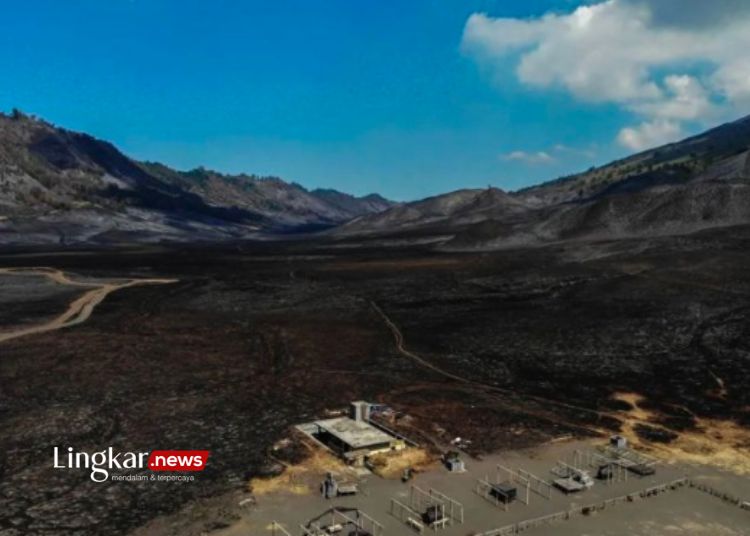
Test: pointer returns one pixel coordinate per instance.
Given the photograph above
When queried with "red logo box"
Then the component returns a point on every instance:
(178, 460)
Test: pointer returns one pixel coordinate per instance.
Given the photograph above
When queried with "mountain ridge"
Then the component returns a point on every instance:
(57, 183)
(702, 181)
(60, 186)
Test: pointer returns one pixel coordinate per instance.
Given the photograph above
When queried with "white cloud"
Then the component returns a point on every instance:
(693, 13)
(635, 53)
(534, 158)
(589, 152)
(649, 134)
(553, 155)
(733, 80)
(685, 99)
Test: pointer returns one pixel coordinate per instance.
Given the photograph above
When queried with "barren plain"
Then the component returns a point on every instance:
(509, 350)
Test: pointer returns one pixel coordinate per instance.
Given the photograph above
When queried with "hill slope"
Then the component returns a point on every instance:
(700, 182)
(63, 186)
(675, 162)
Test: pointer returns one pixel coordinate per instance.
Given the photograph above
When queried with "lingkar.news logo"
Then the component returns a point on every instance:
(102, 462)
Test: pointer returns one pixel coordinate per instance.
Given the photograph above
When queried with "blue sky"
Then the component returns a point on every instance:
(389, 96)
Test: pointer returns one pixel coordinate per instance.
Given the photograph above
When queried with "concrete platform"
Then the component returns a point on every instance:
(667, 510)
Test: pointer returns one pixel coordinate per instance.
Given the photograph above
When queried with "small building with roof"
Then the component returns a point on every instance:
(354, 437)
(354, 440)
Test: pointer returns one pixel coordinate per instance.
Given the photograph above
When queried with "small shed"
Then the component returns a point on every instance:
(505, 492)
(605, 471)
(433, 514)
(618, 441)
(641, 469)
(454, 463)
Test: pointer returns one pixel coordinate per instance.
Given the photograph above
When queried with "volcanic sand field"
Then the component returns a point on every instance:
(507, 349)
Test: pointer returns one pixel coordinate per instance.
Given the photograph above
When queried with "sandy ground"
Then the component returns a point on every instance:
(302, 478)
(684, 511)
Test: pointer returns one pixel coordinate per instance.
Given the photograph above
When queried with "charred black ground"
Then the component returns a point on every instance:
(522, 346)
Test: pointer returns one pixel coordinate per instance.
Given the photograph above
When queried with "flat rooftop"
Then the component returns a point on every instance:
(356, 434)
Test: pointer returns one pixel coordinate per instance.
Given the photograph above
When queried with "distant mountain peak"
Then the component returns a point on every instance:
(700, 182)
(60, 185)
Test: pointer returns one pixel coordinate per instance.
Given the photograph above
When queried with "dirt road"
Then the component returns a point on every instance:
(79, 309)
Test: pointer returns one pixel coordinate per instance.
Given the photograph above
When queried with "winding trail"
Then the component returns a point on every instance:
(79, 309)
(399, 339)
(489, 389)
(712, 442)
